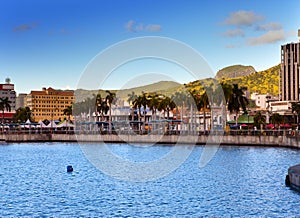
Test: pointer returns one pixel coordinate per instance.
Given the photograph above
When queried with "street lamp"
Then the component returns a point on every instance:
(268, 97)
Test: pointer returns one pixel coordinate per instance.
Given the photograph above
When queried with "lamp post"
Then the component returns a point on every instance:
(268, 97)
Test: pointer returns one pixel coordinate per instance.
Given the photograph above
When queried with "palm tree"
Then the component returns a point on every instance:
(236, 101)
(227, 90)
(202, 103)
(68, 111)
(276, 118)
(296, 108)
(131, 97)
(110, 98)
(259, 120)
(4, 105)
(168, 105)
(101, 107)
(137, 104)
(179, 99)
(144, 101)
(153, 103)
(98, 103)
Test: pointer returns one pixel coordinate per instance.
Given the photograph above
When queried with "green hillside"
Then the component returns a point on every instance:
(162, 87)
(262, 82)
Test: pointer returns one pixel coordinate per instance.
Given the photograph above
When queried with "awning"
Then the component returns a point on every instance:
(243, 119)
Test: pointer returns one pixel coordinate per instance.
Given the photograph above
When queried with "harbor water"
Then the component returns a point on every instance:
(239, 181)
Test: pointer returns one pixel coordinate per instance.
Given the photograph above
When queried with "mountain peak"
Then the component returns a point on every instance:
(235, 71)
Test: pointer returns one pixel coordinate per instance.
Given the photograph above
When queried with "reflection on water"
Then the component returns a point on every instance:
(239, 181)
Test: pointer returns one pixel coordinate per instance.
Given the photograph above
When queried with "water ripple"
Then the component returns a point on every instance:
(238, 182)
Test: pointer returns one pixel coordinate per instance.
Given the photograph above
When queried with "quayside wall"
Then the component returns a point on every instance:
(282, 141)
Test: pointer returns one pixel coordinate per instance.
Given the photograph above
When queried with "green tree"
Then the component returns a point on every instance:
(101, 107)
(259, 120)
(153, 103)
(237, 101)
(68, 111)
(168, 105)
(296, 108)
(22, 115)
(145, 102)
(202, 103)
(110, 100)
(137, 104)
(131, 97)
(276, 118)
(227, 90)
(4, 105)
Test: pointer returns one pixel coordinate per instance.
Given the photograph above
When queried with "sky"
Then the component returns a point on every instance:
(52, 43)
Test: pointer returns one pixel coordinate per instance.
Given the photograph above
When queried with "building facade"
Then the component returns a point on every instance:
(21, 100)
(8, 90)
(289, 73)
(49, 103)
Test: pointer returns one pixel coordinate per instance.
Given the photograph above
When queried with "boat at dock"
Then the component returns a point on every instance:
(293, 177)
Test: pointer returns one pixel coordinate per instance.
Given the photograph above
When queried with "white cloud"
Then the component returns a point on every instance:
(25, 27)
(234, 33)
(153, 28)
(269, 37)
(230, 46)
(269, 26)
(139, 27)
(131, 27)
(243, 18)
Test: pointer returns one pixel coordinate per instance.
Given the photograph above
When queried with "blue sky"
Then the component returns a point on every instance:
(50, 43)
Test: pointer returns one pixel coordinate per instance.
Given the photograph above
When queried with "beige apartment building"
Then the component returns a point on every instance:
(49, 103)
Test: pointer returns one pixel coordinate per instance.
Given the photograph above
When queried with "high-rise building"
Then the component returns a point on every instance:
(289, 73)
(8, 90)
(49, 103)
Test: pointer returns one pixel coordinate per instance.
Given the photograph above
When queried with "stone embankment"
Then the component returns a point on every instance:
(255, 140)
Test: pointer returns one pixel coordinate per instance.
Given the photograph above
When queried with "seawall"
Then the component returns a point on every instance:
(282, 140)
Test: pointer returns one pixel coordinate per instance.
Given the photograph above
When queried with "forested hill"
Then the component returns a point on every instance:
(262, 82)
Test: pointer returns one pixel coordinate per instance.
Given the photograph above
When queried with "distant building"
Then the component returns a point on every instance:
(289, 72)
(281, 107)
(21, 100)
(49, 103)
(8, 90)
(262, 101)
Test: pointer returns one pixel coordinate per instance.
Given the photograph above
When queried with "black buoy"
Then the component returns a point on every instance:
(287, 180)
(69, 168)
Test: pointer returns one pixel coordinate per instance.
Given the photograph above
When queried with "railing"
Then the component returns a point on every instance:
(289, 133)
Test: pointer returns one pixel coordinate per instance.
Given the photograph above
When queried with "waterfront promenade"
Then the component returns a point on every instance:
(282, 140)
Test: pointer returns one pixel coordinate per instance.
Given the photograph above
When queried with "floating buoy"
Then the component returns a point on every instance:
(69, 168)
(287, 180)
